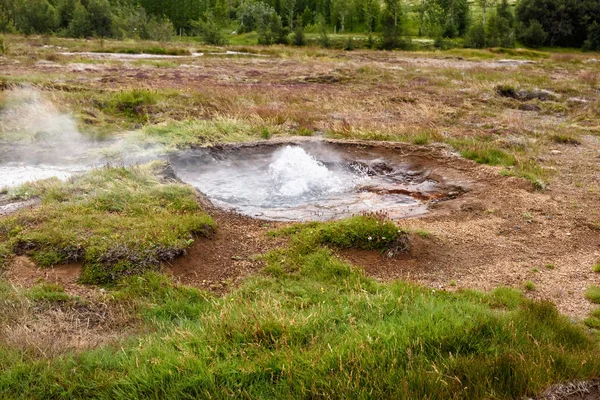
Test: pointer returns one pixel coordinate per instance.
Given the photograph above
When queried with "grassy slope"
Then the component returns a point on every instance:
(313, 326)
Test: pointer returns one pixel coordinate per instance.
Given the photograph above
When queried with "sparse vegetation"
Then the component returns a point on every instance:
(530, 286)
(596, 267)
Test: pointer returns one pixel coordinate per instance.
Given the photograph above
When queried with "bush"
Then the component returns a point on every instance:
(475, 38)
(298, 39)
(36, 16)
(273, 32)
(80, 25)
(210, 30)
(534, 35)
(159, 29)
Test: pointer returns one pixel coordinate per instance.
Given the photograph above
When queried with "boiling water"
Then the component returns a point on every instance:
(290, 183)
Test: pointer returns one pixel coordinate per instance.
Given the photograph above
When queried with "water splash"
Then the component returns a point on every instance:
(295, 173)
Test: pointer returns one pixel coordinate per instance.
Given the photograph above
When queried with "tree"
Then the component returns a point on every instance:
(80, 25)
(391, 22)
(565, 22)
(393, 9)
(307, 16)
(158, 28)
(252, 15)
(210, 30)
(271, 31)
(484, 4)
(323, 36)
(500, 28)
(36, 16)
(593, 41)
(372, 13)
(445, 18)
(298, 39)
(534, 35)
(289, 10)
(100, 16)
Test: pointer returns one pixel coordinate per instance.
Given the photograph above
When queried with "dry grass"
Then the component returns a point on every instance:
(47, 326)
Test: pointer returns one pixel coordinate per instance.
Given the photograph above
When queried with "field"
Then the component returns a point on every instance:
(123, 282)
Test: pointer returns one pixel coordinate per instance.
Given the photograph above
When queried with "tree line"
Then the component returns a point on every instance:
(481, 23)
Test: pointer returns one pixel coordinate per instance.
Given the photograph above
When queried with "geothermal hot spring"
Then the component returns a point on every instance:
(306, 181)
(296, 181)
(311, 181)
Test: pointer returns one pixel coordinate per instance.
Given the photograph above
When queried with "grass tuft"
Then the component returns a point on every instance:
(47, 292)
(593, 294)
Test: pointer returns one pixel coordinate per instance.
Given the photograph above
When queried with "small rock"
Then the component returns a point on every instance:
(555, 151)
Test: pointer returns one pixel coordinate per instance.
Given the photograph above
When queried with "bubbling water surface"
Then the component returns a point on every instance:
(297, 183)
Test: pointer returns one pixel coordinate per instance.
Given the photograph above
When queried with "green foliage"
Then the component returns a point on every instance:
(80, 25)
(593, 294)
(556, 22)
(533, 35)
(475, 38)
(36, 16)
(484, 153)
(592, 42)
(528, 285)
(210, 30)
(178, 135)
(252, 15)
(324, 40)
(593, 321)
(596, 267)
(298, 38)
(100, 17)
(273, 32)
(3, 45)
(158, 28)
(116, 221)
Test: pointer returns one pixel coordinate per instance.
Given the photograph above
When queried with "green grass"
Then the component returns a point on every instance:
(116, 221)
(595, 268)
(133, 103)
(141, 49)
(48, 292)
(530, 286)
(483, 152)
(593, 294)
(317, 328)
(593, 321)
(204, 132)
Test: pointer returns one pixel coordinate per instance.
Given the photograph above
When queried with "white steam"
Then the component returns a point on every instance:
(39, 141)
